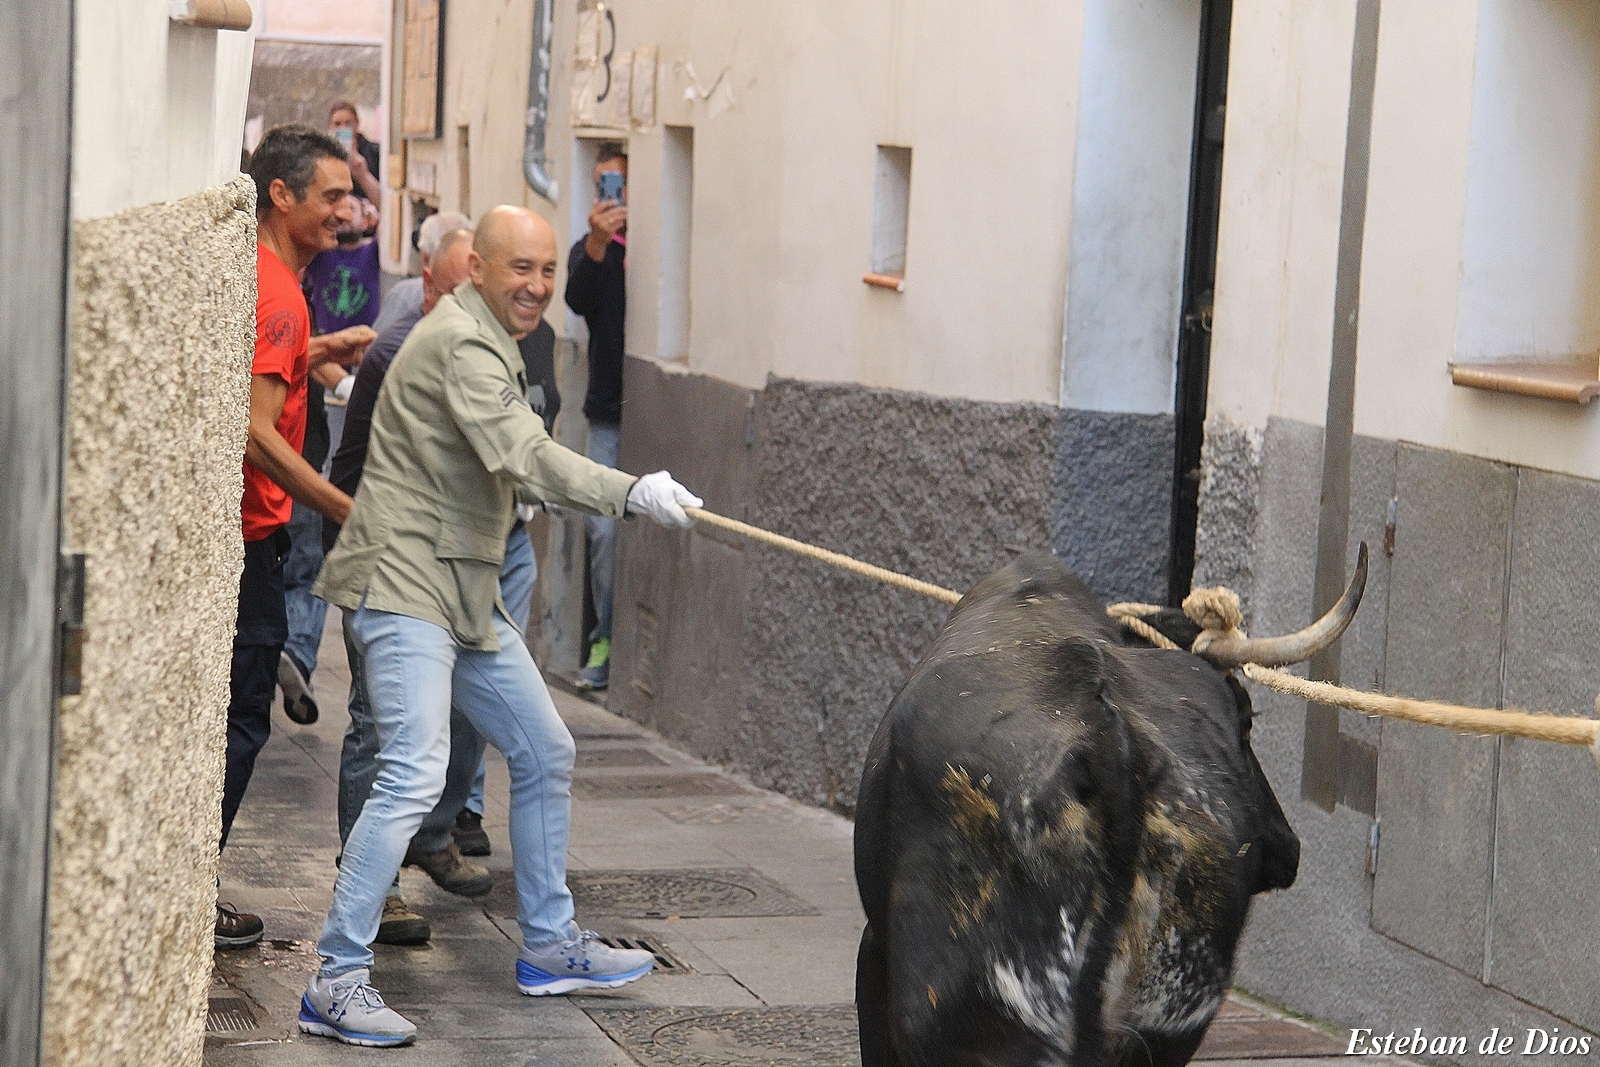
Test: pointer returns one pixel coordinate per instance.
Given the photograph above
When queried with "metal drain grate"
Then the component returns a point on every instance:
(655, 786)
(665, 960)
(229, 1015)
(742, 1037)
(625, 756)
(695, 893)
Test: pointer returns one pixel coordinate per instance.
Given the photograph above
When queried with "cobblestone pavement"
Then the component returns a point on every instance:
(746, 896)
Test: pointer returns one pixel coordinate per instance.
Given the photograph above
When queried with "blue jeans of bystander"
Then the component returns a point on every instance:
(604, 438)
(414, 674)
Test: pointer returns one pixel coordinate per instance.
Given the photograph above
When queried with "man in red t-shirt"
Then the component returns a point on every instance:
(302, 184)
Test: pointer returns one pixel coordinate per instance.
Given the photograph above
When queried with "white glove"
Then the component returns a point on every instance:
(662, 499)
(526, 512)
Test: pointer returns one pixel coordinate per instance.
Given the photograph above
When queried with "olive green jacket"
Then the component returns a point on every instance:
(453, 442)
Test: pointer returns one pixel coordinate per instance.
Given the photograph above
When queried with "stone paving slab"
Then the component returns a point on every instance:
(770, 983)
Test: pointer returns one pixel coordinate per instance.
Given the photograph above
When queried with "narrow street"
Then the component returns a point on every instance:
(748, 902)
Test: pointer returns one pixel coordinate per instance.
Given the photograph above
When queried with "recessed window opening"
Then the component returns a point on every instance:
(1530, 282)
(677, 230)
(891, 209)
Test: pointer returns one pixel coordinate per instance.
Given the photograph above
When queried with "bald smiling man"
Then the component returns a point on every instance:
(453, 445)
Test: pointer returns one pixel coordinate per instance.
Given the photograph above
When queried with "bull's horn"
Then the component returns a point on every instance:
(1230, 648)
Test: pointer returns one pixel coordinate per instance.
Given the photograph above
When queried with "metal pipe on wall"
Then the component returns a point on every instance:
(1319, 770)
(535, 164)
(35, 222)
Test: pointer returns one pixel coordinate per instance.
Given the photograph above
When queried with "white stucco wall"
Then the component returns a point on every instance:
(1283, 164)
(784, 164)
(158, 108)
(1130, 205)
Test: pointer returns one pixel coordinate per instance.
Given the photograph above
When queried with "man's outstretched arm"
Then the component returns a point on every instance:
(269, 453)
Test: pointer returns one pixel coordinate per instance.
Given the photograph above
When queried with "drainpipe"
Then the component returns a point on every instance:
(534, 162)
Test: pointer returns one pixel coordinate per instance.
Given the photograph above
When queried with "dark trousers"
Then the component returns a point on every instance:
(258, 639)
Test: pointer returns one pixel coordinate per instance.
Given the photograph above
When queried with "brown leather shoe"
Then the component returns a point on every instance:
(236, 929)
(450, 872)
(402, 926)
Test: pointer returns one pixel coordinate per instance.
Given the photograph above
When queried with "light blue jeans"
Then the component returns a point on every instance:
(603, 440)
(358, 762)
(300, 568)
(414, 674)
(518, 574)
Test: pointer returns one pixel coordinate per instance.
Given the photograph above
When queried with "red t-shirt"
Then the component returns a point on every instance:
(283, 338)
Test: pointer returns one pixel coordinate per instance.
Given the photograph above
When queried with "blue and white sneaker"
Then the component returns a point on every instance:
(347, 1008)
(583, 963)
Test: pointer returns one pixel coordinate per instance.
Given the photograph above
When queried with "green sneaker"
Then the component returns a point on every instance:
(596, 674)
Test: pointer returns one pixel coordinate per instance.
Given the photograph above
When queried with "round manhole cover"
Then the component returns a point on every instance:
(745, 1037)
(656, 896)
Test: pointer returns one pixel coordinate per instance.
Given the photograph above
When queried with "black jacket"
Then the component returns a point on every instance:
(599, 292)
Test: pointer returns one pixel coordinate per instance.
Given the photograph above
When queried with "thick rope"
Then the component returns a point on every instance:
(800, 548)
(1217, 609)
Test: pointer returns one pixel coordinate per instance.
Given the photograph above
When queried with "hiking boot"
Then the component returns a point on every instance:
(596, 674)
(583, 963)
(349, 1009)
(469, 835)
(298, 703)
(450, 872)
(236, 929)
(402, 926)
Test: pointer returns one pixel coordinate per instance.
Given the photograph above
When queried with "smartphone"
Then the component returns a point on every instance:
(611, 182)
(346, 138)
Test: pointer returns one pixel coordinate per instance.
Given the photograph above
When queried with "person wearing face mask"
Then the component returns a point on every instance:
(364, 156)
(454, 445)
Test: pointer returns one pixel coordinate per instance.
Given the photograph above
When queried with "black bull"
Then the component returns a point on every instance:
(1058, 834)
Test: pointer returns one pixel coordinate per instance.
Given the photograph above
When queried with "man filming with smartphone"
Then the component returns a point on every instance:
(597, 290)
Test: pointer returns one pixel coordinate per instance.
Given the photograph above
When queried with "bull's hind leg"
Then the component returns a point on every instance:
(872, 1003)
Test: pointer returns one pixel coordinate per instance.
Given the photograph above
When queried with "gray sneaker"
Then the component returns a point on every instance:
(583, 963)
(347, 1008)
(298, 702)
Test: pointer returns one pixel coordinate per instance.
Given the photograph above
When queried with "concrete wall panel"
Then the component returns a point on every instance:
(1436, 789)
(159, 394)
(1548, 843)
(1113, 502)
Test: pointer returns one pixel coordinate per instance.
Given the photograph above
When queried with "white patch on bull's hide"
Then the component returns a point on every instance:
(1044, 1007)
(1043, 1004)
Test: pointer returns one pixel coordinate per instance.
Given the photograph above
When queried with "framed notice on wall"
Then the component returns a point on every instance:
(422, 69)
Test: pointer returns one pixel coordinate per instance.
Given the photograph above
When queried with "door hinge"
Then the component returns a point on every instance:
(69, 617)
(1389, 525)
(1372, 849)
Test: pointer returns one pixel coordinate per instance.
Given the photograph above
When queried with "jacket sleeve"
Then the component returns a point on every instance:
(511, 441)
(583, 281)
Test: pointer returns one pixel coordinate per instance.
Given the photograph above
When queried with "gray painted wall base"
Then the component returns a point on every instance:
(1533, 833)
(1112, 516)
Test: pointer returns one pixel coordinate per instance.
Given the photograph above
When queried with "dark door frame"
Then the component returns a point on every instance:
(1199, 284)
(35, 235)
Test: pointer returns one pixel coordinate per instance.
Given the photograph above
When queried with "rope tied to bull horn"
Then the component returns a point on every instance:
(1217, 612)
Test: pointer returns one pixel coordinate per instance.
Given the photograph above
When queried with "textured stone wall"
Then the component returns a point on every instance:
(163, 330)
(782, 666)
(1112, 519)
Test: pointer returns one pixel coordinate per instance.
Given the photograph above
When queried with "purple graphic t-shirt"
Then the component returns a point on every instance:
(342, 284)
